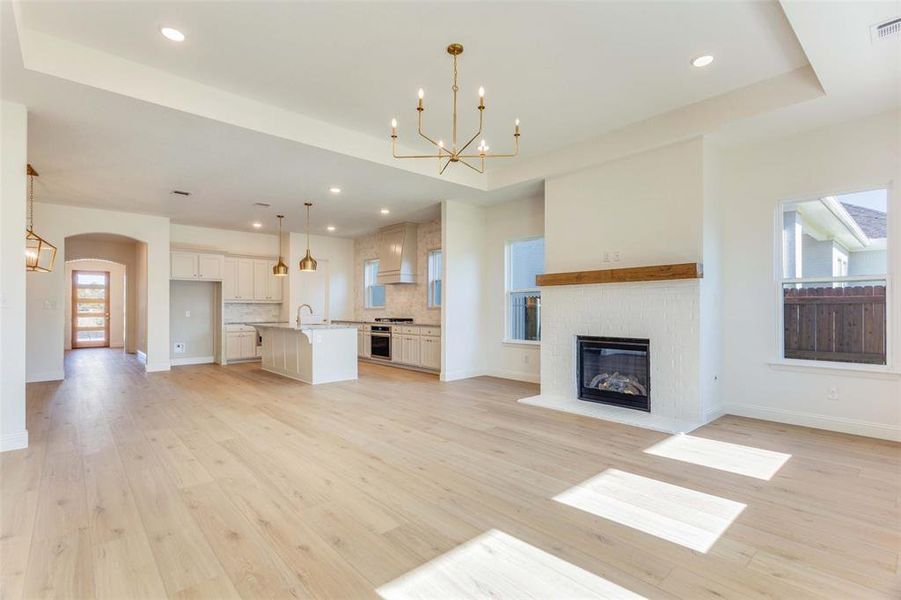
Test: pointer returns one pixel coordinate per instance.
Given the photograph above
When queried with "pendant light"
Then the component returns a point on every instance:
(39, 253)
(280, 269)
(308, 263)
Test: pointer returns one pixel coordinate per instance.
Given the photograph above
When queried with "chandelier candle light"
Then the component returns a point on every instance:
(455, 154)
(280, 269)
(39, 253)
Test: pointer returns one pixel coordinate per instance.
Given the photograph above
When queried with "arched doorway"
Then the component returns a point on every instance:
(105, 301)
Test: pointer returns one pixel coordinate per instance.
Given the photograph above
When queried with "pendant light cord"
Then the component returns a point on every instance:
(30, 202)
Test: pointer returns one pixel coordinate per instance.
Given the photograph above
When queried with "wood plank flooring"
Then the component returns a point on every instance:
(229, 482)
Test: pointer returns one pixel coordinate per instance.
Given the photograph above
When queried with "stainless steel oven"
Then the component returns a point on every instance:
(380, 336)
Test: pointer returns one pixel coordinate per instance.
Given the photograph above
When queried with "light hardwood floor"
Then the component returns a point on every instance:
(221, 482)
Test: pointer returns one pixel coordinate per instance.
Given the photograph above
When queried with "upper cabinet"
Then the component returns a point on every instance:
(251, 280)
(397, 254)
(195, 265)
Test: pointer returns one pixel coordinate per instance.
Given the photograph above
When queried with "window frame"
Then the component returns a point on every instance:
(779, 280)
(430, 281)
(508, 291)
(367, 286)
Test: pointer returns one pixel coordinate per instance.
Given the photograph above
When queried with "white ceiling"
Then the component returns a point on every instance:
(568, 70)
(571, 71)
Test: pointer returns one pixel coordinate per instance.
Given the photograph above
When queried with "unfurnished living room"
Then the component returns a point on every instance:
(449, 300)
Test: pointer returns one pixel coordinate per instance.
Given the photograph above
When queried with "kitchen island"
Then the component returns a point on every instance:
(310, 353)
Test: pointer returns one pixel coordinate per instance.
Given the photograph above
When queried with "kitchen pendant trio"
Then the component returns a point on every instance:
(307, 263)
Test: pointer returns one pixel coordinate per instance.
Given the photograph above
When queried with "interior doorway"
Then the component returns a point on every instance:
(90, 309)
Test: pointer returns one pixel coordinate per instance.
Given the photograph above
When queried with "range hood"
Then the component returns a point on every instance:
(397, 254)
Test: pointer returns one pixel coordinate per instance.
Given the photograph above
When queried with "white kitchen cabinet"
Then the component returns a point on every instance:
(261, 280)
(430, 352)
(364, 343)
(411, 350)
(230, 279)
(244, 285)
(183, 265)
(240, 345)
(193, 265)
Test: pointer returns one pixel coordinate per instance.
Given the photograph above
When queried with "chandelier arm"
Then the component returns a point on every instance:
(424, 135)
(477, 170)
(444, 167)
(490, 155)
(396, 155)
(478, 133)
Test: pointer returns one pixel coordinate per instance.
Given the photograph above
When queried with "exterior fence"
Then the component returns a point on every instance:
(836, 324)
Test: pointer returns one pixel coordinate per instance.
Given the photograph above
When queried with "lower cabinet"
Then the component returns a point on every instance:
(430, 352)
(364, 344)
(240, 345)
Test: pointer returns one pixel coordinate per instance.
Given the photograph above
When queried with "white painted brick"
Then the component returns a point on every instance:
(666, 313)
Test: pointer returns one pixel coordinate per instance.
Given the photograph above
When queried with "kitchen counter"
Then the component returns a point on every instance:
(313, 353)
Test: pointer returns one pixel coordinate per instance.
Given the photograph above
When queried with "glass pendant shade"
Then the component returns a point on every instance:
(308, 263)
(280, 269)
(39, 253)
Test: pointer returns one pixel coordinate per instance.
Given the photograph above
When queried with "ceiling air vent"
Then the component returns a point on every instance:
(886, 30)
(181, 193)
(263, 204)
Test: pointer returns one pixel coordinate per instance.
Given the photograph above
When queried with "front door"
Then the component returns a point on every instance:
(90, 309)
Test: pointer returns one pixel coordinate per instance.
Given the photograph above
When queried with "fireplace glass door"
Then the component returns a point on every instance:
(615, 371)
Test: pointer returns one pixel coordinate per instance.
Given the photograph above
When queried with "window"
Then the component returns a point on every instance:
(834, 279)
(434, 290)
(373, 292)
(525, 261)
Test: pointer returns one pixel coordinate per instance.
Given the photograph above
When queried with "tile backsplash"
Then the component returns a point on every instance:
(401, 300)
(240, 312)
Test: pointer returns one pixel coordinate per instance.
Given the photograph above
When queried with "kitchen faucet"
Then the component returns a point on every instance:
(310, 308)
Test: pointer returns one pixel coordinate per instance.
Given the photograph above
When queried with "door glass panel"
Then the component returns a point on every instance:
(90, 336)
(91, 321)
(90, 293)
(90, 279)
(89, 307)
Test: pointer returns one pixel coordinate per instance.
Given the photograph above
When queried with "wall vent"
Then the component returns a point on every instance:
(181, 193)
(263, 204)
(883, 31)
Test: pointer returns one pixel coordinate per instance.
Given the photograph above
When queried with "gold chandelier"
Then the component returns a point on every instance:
(456, 154)
(39, 253)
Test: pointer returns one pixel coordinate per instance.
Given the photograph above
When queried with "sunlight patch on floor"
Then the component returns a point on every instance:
(680, 515)
(498, 565)
(724, 456)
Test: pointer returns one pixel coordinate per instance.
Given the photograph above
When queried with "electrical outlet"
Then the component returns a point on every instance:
(188, 313)
(616, 256)
(526, 359)
(833, 393)
(606, 257)
(179, 347)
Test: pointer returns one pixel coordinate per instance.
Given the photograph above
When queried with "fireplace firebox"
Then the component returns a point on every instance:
(614, 371)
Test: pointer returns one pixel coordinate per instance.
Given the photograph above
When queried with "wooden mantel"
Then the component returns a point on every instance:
(652, 273)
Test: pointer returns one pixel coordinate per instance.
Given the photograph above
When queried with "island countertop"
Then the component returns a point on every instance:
(303, 327)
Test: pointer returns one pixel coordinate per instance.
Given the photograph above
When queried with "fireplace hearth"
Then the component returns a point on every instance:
(614, 371)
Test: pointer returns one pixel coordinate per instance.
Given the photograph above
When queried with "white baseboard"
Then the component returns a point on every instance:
(45, 376)
(514, 375)
(14, 441)
(142, 356)
(153, 367)
(461, 374)
(712, 414)
(197, 360)
(853, 426)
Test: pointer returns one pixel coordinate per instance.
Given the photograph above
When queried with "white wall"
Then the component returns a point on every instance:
(116, 299)
(648, 207)
(46, 292)
(224, 240)
(509, 221)
(13, 151)
(462, 233)
(845, 157)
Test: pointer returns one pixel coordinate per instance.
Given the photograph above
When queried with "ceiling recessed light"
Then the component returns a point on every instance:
(257, 225)
(385, 211)
(335, 190)
(702, 61)
(331, 227)
(172, 34)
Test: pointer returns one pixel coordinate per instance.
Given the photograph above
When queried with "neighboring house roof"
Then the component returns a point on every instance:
(872, 222)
